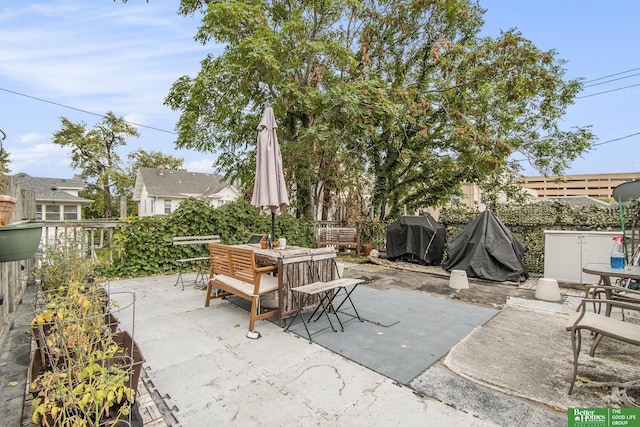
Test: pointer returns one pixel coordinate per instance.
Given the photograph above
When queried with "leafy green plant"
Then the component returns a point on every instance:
(372, 232)
(146, 245)
(84, 373)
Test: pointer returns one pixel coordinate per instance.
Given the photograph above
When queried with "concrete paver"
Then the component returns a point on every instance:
(209, 373)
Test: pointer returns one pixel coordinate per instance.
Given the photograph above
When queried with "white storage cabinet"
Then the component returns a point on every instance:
(566, 252)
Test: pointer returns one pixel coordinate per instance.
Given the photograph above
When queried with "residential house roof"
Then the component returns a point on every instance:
(174, 184)
(52, 189)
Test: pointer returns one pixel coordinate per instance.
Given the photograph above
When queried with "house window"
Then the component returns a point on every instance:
(167, 206)
(70, 212)
(39, 212)
(52, 212)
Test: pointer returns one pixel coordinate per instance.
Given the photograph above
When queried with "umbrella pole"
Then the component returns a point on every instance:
(273, 226)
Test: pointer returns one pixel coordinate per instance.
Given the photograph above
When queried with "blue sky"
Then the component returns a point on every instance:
(103, 55)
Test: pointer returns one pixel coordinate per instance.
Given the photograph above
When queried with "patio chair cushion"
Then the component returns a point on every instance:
(267, 284)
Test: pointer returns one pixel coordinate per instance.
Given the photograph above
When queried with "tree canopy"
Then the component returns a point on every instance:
(402, 92)
(95, 153)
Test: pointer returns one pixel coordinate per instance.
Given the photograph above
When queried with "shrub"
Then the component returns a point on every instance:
(146, 244)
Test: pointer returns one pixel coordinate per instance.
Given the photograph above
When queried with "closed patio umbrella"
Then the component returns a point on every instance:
(269, 188)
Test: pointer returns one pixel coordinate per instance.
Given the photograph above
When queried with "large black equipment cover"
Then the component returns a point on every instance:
(419, 238)
(487, 249)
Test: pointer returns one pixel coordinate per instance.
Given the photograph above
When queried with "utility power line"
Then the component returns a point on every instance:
(174, 133)
(612, 80)
(616, 139)
(82, 111)
(607, 91)
(612, 75)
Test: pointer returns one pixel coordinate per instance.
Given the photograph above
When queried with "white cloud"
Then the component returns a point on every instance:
(135, 118)
(80, 59)
(44, 160)
(201, 165)
(32, 138)
(99, 50)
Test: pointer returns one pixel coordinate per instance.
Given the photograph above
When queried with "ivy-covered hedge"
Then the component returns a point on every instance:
(528, 223)
(145, 245)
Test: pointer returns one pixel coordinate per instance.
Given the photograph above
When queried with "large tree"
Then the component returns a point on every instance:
(404, 91)
(150, 159)
(95, 153)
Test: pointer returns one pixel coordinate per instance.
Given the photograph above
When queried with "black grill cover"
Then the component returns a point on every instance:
(487, 249)
(419, 238)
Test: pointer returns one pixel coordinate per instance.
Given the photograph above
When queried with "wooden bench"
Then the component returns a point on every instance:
(201, 262)
(339, 238)
(234, 272)
(601, 325)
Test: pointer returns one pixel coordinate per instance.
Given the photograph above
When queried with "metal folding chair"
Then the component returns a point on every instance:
(325, 291)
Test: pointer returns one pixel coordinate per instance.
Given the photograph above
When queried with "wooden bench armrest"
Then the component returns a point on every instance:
(267, 269)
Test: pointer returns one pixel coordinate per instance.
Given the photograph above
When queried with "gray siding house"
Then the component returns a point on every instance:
(159, 191)
(56, 198)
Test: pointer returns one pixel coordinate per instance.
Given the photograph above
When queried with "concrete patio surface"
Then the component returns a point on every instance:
(201, 370)
(207, 372)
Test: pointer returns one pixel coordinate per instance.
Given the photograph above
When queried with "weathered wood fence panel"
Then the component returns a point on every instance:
(298, 272)
(15, 275)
